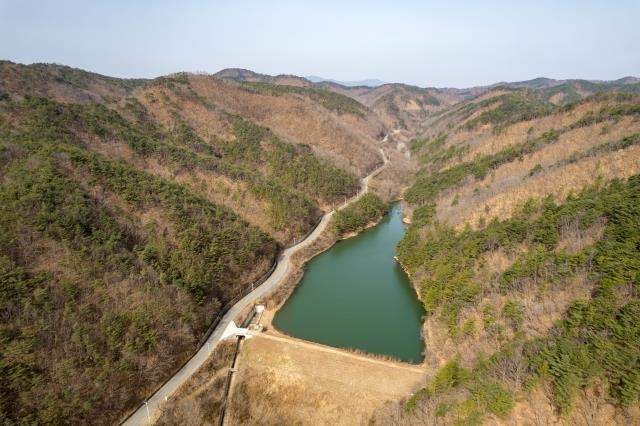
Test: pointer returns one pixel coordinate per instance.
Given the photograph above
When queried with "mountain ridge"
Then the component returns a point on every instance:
(368, 82)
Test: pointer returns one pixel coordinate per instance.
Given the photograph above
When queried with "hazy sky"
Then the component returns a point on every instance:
(428, 43)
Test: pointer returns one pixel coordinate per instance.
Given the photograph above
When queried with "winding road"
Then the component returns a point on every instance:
(148, 412)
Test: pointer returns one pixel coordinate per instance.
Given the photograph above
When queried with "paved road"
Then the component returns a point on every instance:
(148, 413)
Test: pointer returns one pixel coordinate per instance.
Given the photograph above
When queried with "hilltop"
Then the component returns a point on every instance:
(369, 82)
(406, 107)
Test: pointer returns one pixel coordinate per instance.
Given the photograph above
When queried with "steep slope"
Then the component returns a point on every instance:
(133, 210)
(398, 106)
(564, 92)
(337, 127)
(406, 107)
(110, 274)
(523, 248)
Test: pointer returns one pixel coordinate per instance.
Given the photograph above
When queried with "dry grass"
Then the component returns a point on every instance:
(591, 407)
(345, 139)
(573, 238)
(490, 143)
(198, 400)
(286, 383)
(542, 307)
(216, 188)
(501, 193)
(513, 183)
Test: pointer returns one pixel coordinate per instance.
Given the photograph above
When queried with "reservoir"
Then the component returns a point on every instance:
(355, 295)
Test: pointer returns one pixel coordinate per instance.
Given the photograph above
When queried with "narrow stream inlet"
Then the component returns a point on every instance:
(355, 295)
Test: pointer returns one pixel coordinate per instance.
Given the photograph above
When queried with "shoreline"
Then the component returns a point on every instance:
(295, 276)
(328, 239)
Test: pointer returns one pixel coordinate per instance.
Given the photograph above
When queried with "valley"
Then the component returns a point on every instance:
(133, 212)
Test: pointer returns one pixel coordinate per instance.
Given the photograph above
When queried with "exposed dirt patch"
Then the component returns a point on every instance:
(286, 382)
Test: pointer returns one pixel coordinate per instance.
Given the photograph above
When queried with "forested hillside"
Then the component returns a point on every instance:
(410, 108)
(368, 209)
(131, 211)
(524, 248)
(397, 106)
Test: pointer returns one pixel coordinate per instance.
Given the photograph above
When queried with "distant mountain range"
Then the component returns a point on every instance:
(535, 84)
(543, 82)
(370, 82)
(404, 106)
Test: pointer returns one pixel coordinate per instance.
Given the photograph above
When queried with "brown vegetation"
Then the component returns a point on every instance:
(116, 247)
(281, 382)
(133, 209)
(198, 401)
(500, 299)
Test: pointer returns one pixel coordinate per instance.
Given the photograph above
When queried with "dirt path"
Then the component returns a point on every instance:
(149, 411)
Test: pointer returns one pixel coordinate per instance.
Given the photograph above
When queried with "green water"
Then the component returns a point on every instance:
(355, 295)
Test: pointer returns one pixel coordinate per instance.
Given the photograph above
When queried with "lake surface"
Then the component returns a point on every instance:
(355, 295)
